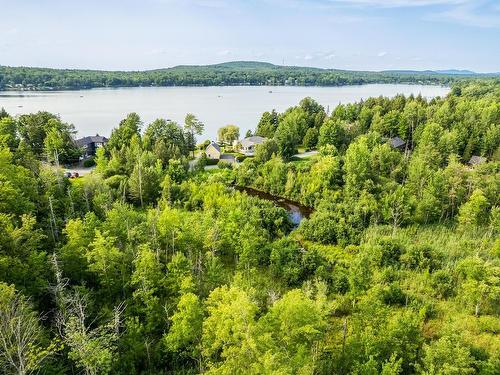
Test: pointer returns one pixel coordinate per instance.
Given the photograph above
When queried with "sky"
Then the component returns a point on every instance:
(341, 34)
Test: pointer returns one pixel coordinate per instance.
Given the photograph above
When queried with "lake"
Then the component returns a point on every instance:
(100, 110)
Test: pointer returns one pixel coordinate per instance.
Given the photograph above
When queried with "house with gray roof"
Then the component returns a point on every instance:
(247, 145)
(476, 160)
(397, 143)
(90, 144)
(213, 151)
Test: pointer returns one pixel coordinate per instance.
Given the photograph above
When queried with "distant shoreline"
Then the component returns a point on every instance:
(49, 90)
(226, 74)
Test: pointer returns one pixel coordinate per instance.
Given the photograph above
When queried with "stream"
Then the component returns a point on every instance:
(296, 211)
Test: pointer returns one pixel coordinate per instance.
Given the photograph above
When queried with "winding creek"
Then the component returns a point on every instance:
(296, 211)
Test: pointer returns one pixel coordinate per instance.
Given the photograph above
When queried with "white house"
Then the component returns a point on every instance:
(248, 144)
(213, 151)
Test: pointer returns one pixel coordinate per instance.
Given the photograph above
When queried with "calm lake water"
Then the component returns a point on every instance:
(100, 110)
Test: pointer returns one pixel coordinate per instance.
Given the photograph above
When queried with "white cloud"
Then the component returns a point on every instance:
(400, 3)
(382, 54)
(470, 15)
(477, 13)
(157, 51)
(224, 52)
(200, 3)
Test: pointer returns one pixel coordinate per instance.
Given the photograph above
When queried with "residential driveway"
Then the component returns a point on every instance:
(306, 154)
(208, 167)
(80, 170)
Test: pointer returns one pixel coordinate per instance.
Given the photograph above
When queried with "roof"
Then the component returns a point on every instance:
(215, 145)
(397, 142)
(475, 160)
(253, 140)
(91, 139)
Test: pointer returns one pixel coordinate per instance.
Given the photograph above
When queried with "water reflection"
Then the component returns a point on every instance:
(296, 211)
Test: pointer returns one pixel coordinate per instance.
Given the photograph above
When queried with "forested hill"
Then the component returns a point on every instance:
(231, 73)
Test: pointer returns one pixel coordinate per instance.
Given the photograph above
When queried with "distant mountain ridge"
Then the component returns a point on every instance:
(452, 72)
(261, 65)
(256, 65)
(456, 71)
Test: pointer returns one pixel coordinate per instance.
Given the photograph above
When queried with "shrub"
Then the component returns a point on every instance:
(90, 162)
(422, 257)
(222, 164)
(212, 161)
(393, 295)
(443, 284)
(389, 252)
(240, 158)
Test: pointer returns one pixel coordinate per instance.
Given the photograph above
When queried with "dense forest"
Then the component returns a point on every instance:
(149, 265)
(232, 73)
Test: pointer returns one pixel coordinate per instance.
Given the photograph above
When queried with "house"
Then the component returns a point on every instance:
(476, 160)
(91, 144)
(213, 151)
(248, 144)
(397, 143)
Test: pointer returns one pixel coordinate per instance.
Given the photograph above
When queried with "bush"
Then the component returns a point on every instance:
(286, 261)
(443, 283)
(212, 161)
(422, 257)
(222, 164)
(393, 295)
(390, 251)
(240, 158)
(90, 162)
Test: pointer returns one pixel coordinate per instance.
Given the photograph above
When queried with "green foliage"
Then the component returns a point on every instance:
(265, 151)
(90, 162)
(447, 356)
(148, 266)
(290, 132)
(185, 333)
(121, 136)
(331, 133)
(474, 211)
(233, 73)
(268, 124)
(310, 138)
(228, 134)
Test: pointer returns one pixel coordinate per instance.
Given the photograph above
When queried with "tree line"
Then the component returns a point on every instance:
(227, 74)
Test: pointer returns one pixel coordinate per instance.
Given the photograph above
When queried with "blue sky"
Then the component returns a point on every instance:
(343, 34)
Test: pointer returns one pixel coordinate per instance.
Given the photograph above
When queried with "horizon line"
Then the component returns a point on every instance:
(436, 70)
